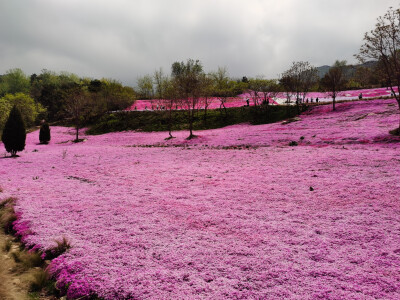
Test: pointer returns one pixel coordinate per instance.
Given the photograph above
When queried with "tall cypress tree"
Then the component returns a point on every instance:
(14, 134)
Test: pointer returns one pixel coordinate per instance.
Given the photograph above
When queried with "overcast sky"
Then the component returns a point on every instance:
(124, 39)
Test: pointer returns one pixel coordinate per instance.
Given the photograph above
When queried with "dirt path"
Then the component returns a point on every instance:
(13, 284)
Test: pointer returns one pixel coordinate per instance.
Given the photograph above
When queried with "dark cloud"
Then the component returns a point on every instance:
(125, 39)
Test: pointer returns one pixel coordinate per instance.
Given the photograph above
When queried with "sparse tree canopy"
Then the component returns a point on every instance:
(14, 134)
(78, 107)
(188, 82)
(145, 87)
(383, 44)
(299, 79)
(334, 80)
(223, 87)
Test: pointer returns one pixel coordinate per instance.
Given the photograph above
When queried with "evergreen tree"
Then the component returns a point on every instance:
(44, 133)
(14, 133)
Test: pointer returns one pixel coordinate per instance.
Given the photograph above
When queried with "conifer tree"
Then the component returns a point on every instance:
(44, 133)
(14, 133)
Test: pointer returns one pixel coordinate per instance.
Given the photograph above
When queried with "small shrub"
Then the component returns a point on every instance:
(7, 202)
(7, 246)
(31, 259)
(395, 131)
(61, 246)
(293, 143)
(40, 279)
(7, 215)
(16, 255)
(44, 133)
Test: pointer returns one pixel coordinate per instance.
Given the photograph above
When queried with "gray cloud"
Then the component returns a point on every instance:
(125, 39)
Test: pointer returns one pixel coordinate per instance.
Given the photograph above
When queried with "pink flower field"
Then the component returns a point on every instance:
(235, 213)
(240, 100)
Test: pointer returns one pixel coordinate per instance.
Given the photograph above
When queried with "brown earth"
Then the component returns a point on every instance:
(15, 278)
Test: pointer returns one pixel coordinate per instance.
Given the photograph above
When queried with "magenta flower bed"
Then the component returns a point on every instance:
(240, 100)
(227, 215)
(213, 103)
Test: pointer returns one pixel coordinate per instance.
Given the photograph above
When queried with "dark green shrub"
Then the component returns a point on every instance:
(14, 134)
(44, 133)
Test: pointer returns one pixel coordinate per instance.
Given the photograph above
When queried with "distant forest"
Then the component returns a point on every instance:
(53, 96)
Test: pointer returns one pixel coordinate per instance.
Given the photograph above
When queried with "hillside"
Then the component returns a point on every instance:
(234, 213)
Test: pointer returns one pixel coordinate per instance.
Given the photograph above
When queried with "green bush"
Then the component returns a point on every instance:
(44, 133)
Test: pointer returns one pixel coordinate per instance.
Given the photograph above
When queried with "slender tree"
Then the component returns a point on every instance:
(169, 102)
(255, 90)
(334, 80)
(145, 86)
(382, 44)
(77, 107)
(14, 134)
(207, 91)
(223, 87)
(187, 77)
(300, 78)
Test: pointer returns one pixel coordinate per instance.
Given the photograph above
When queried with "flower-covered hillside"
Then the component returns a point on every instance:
(241, 100)
(235, 214)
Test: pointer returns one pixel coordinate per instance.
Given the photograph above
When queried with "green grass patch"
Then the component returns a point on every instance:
(159, 120)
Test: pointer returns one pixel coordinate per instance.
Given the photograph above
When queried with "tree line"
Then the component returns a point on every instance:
(55, 97)
(51, 96)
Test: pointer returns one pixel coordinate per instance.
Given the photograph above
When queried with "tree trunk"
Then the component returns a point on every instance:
(334, 102)
(77, 132)
(398, 102)
(190, 123)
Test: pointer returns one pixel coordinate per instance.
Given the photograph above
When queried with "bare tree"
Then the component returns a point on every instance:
(169, 102)
(255, 90)
(77, 106)
(300, 78)
(187, 77)
(207, 91)
(286, 84)
(383, 44)
(223, 87)
(334, 80)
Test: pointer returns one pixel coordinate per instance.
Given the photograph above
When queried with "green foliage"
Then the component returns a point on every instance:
(158, 121)
(53, 91)
(145, 87)
(14, 81)
(30, 110)
(5, 108)
(14, 134)
(44, 133)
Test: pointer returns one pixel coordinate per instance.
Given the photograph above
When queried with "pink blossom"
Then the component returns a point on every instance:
(227, 215)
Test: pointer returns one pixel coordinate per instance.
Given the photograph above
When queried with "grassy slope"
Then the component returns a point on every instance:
(158, 120)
